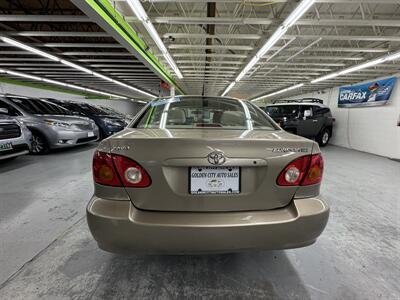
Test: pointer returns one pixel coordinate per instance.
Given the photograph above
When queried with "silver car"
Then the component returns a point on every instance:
(15, 137)
(51, 125)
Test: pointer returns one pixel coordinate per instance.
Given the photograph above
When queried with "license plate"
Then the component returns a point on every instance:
(6, 146)
(214, 180)
(90, 134)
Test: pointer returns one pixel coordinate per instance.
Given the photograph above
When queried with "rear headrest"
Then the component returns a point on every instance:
(176, 116)
(233, 118)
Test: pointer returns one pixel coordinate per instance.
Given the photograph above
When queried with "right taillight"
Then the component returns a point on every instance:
(305, 170)
(315, 170)
(116, 170)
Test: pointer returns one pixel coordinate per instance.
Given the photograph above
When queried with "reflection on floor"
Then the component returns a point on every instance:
(42, 201)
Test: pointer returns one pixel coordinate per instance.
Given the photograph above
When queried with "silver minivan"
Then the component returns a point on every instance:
(51, 125)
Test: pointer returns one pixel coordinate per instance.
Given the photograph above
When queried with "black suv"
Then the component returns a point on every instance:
(307, 117)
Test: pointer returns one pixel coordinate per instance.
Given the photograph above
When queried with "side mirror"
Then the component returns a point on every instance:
(307, 114)
(3, 110)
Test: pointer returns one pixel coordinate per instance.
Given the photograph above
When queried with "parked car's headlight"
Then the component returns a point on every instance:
(58, 123)
(112, 122)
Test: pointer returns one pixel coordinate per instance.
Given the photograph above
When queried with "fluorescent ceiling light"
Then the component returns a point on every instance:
(300, 10)
(42, 79)
(359, 67)
(330, 76)
(19, 74)
(102, 76)
(228, 88)
(29, 48)
(72, 65)
(141, 14)
(279, 92)
(75, 66)
(362, 66)
(393, 56)
(276, 36)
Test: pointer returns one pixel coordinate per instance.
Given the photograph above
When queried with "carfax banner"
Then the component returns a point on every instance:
(367, 94)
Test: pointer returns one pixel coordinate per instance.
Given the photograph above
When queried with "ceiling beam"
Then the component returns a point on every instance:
(56, 33)
(210, 55)
(45, 18)
(214, 36)
(214, 47)
(372, 38)
(95, 53)
(281, 1)
(265, 21)
(80, 45)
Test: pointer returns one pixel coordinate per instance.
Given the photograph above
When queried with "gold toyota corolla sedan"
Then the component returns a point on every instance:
(195, 174)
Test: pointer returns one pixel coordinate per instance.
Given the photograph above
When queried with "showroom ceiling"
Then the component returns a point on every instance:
(59, 28)
(212, 43)
(209, 44)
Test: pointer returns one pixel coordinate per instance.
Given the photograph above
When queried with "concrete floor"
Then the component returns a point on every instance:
(47, 252)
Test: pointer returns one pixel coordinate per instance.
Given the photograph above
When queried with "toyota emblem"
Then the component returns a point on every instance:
(216, 158)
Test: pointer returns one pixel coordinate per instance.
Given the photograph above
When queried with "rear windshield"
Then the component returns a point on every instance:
(282, 110)
(200, 112)
(38, 107)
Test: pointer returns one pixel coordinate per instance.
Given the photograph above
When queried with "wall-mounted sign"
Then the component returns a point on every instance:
(367, 94)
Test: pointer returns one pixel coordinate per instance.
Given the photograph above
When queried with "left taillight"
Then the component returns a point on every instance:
(116, 170)
(305, 170)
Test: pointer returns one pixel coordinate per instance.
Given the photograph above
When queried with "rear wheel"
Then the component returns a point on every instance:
(324, 137)
(39, 144)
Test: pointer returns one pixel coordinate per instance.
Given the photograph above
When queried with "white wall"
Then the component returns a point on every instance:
(368, 129)
(123, 106)
(34, 92)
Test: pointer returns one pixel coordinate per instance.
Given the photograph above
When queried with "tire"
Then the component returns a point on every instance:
(39, 144)
(324, 137)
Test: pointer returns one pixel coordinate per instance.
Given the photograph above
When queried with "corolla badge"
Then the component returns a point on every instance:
(120, 148)
(216, 158)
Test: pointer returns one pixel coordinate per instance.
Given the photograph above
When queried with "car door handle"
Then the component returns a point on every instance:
(315, 121)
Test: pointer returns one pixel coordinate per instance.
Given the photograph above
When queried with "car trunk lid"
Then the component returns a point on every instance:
(169, 156)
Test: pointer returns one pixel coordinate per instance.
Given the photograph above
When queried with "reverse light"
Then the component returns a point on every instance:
(133, 175)
(305, 170)
(292, 175)
(294, 172)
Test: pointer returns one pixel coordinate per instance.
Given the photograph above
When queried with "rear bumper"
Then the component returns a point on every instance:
(119, 227)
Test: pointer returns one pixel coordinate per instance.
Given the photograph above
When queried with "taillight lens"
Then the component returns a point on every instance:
(103, 169)
(298, 166)
(132, 174)
(305, 170)
(315, 171)
(116, 170)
